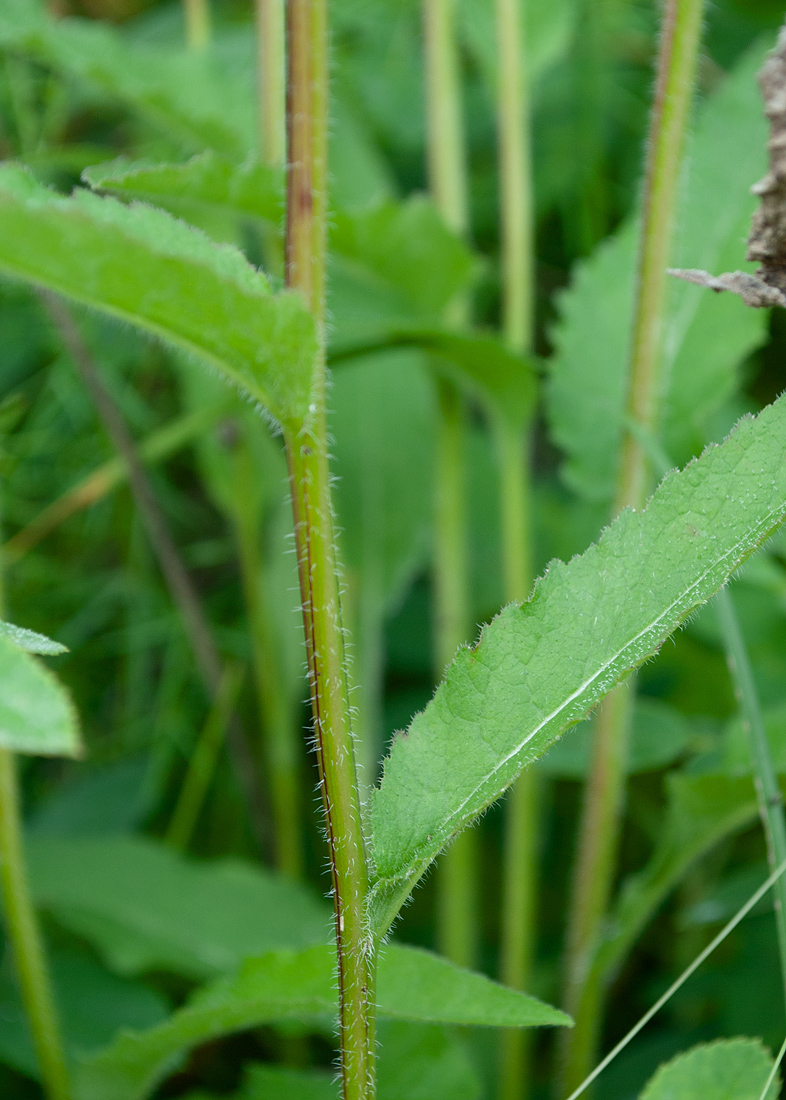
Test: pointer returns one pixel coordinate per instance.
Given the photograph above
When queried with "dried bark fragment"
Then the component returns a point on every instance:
(767, 238)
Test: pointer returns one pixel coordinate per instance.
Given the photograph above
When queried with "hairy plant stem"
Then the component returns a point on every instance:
(307, 456)
(604, 794)
(204, 757)
(21, 925)
(181, 589)
(276, 710)
(196, 14)
(767, 788)
(457, 901)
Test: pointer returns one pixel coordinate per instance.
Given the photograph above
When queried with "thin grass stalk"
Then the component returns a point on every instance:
(203, 761)
(199, 25)
(766, 779)
(457, 901)
(604, 794)
(307, 456)
(276, 710)
(517, 241)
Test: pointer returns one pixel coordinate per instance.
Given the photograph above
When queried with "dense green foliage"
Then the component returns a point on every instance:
(134, 191)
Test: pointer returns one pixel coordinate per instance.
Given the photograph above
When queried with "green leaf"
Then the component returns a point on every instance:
(141, 265)
(392, 266)
(539, 668)
(701, 811)
(412, 984)
(36, 712)
(659, 735)
(31, 641)
(94, 1005)
(705, 336)
(729, 1069)
(146, 907)
(185, 95)
(207, 190)
(500, 378)
(416, 1062)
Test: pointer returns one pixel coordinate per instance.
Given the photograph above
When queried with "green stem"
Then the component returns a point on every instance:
(271, 74)
(604, 795)
(196, 14)
(23, 931)
(276, 710)
(457, 895)
(307, 456)
(767, 787)
(204, 758)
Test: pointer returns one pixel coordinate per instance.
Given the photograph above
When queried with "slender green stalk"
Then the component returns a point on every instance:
(271, 74)
(604, 795)
(276, 710)
(457, 901)
(519, 870)
(22, 927)
(767, 787)
(775, 1067)
(196, 14)
(307, 456)
(204, 758)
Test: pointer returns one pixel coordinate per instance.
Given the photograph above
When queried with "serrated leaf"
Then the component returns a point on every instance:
(729, 1069)
(31, 641)
(705, 336)
(540, 667)
(659, 735)
(209, 188)
(146, 907)
(412, 984)
(36, 713)
(142, 266)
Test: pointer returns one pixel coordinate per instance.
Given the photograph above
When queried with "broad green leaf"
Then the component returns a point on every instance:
(185, 95)
(392, 266)
(540, 667)
(705, 337)
(146, 907)
(729, 1069)
(142, 266)
(94, 1005)
(659, 735)
(701, 810)
(415, 1062)
(36, 712)
(31, 641)
(501, 379)
(209, 190)
(412, 984)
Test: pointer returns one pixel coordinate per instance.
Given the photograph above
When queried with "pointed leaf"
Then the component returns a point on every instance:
(143, 266)
(146, 907)
(706, 336)
(207, 186)
(540, 667)
(729, 1069)
(31, 641)
(36, 712)
(413, 984)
